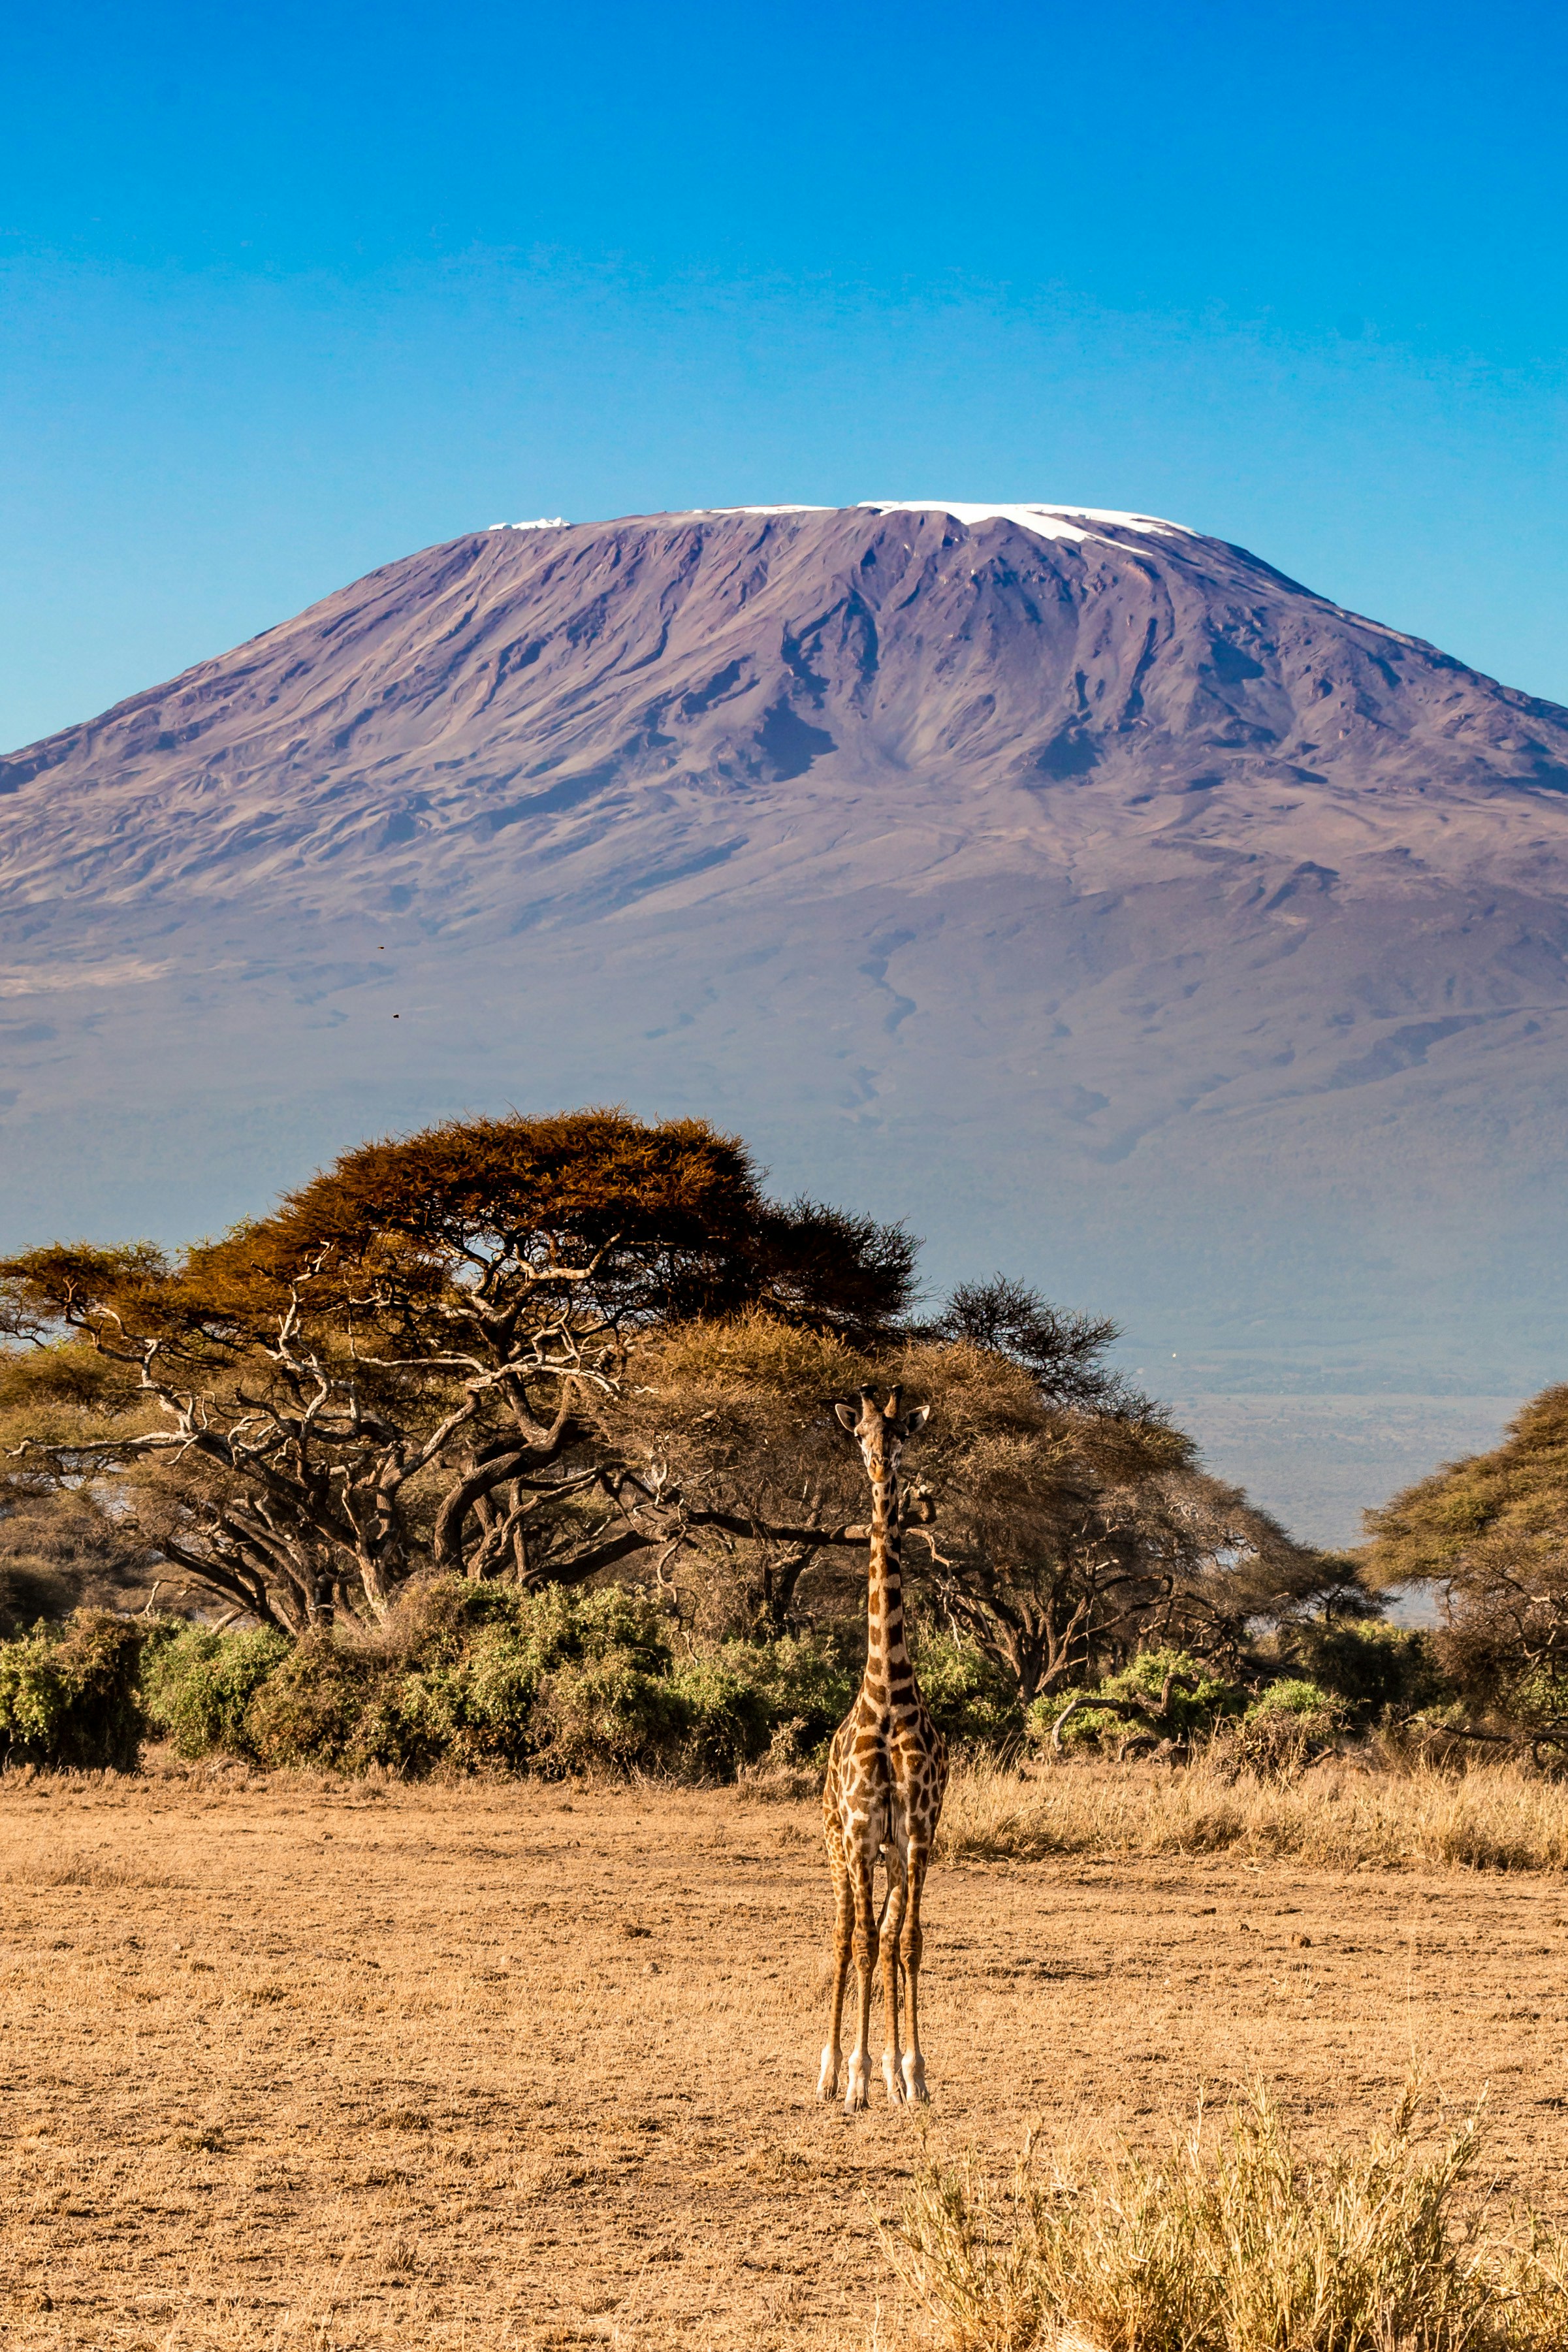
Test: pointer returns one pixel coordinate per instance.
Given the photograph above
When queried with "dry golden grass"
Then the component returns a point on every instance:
(1228, 2242)
(290, 2066)
(1333, 1816)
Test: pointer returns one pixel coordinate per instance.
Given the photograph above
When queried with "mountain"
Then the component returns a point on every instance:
(1077, 885)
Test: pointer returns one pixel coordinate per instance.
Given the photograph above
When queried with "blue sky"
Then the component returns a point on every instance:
(290, 292)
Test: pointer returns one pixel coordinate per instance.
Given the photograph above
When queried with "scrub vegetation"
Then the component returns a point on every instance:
(1231, 2240)
(511, 1445)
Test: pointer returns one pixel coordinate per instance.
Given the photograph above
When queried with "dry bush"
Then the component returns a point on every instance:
(785, 1776)
(1335, 1816)
(59, 1552)
(1242, 2249)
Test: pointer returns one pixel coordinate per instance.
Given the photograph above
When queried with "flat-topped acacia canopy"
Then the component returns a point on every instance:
(392, 1366)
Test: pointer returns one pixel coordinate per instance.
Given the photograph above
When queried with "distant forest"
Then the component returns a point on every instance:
(511, 1444)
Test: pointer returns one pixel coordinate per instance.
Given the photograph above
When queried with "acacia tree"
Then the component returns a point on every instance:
(736, 1418)
(1070, 1538)
(1064, 1353)
(1059, 1541)
(398, 1366)
(1488, 1535)
(731, 1447)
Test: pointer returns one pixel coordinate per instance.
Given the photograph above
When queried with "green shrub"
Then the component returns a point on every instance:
(466, 1674)
(728, 1719)
(405, 1723)
(1197, 1700)
(472, 1707)
(970, 1697)
(1286, 1728)
(197, 1685)
(1198, 1696)
(1535, 1701)
(69, 1694)
(1369, 1666)
(1089, 1725)
(1291, 1697)
(308, 1711)
(440, 1618)
(805, 1681)
(608, 1712)
(484, 1677)
(503, 1678)
(488, 1697)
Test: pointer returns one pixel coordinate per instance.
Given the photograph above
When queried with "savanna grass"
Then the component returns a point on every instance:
(1337, 1815)
(1239, 2247)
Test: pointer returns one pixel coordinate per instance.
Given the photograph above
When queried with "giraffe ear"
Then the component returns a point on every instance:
(847, 1415)
(917, 1419)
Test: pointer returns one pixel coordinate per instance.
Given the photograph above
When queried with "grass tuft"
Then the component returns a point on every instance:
(1339, 1816)
(1240, 2249)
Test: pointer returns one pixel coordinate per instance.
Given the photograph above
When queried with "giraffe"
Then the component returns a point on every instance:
(888, 1772)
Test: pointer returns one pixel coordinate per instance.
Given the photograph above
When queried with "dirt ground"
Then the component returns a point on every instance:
(285, 2066)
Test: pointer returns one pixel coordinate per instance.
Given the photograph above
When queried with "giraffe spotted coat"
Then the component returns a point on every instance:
(887, 1773)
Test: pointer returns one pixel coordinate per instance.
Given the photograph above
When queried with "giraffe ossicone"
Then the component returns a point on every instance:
(887, 1774)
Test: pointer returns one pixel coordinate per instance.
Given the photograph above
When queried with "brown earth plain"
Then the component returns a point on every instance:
(309, 2065)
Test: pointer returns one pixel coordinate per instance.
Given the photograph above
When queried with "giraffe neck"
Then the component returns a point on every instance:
(887, 1657)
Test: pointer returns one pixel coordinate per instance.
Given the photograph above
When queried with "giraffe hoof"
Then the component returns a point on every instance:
(828, 2079)
(915, 2083)
(856, 2097)
(891, 2076)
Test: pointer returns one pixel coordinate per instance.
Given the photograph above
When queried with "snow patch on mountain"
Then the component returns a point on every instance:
(1046, 522)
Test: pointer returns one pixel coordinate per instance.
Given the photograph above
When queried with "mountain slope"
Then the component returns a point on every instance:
(1077, 885)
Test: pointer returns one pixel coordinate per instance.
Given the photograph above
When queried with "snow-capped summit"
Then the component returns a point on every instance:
(1070, 881)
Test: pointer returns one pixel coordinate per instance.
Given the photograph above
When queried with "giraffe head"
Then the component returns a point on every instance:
(880, 1433)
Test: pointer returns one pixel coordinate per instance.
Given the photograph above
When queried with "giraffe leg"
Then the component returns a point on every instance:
(891, 1923)
(844, 1923)
(865, 1950)
(913, 1942)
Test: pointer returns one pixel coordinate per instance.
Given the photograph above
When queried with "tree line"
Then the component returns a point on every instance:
(587, 1352)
